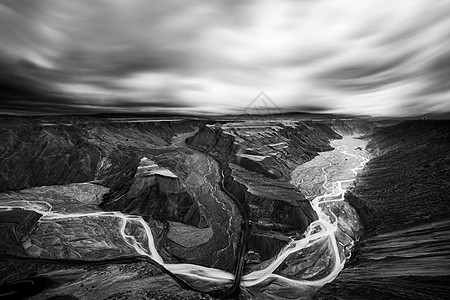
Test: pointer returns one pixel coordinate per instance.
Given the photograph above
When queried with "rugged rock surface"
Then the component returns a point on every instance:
(364, 211)
(353, 126)
(90, 237)
(257, 158)
(158, 193)
(89, 165)
(83, 238)
(131, 280)
(406, 187)
(61, 150)
(54, 153)
(14, 225)
(75, 197)
(412, 167)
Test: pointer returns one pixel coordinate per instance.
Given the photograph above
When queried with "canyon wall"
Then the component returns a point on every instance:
(402, 198)
(181, 177)
(257, 158)
(411, 166)
(353, 126)
(59, 150)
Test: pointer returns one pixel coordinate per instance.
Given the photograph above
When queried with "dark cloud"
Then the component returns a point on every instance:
(437, 75)
(22, 88)
(309, 108)
(406, 66)
(117, 63)
(18, 82)
(369, 75)
(52, 47)
(427, 22)
(215, 56)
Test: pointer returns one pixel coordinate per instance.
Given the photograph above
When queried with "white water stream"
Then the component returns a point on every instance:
(323, 228)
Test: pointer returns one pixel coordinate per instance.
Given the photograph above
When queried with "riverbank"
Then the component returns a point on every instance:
(145, 192)
(407, 253)
(316, 258)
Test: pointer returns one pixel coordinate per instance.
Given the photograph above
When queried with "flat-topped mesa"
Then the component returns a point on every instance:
(157, 192)
(257, 160)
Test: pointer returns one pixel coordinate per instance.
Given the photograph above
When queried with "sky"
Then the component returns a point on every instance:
(380, 58)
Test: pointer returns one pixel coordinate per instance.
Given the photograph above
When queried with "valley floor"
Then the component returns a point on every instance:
(309, 262)
(310, 177)
(405, 254)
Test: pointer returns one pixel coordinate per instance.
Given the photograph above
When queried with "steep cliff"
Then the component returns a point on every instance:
(412, 164)
(402, 194)
(353, 126)
(256, 159)
(159, 193)
(14, 227)
(85, 170)
(60, 150)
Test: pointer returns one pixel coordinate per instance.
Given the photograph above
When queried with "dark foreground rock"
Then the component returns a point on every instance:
(14, 225)
(364, 211)
(87, 281)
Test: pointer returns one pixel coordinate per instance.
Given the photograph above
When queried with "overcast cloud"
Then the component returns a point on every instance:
(347, 56)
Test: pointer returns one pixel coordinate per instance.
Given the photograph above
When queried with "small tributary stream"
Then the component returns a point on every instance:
(305, 264)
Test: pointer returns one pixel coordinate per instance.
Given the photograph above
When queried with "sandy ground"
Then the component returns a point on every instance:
(309, 177)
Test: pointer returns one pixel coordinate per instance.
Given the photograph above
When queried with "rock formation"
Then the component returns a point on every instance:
(257, 158)
(402, 198)
(184, 191)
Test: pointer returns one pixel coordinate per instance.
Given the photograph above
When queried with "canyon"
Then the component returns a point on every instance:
(250, 208)
(402, 199)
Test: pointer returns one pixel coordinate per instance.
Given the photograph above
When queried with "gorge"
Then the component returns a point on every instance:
(256, 208)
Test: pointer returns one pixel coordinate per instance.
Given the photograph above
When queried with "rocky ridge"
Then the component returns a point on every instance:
(402, 198)
(256, 159)
(86, 164)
